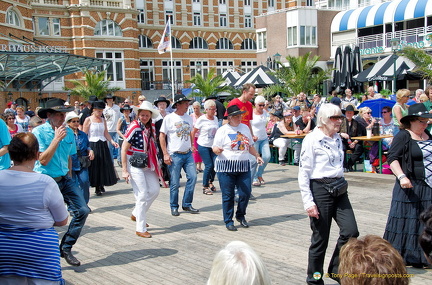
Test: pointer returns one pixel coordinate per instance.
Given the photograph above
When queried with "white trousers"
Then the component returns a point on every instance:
(145, 185)
(283, 144)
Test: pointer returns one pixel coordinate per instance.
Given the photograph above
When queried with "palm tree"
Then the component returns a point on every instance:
(94, 84)
(421, 59)
(298, 76)
(208, 86)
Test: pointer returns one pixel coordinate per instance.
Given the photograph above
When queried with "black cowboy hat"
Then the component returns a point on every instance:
(278, 114)
(234, 110)
(126, 107)
(98, 105)
(350, 108)
(161, 99)
(212, 97)
(109, 96)
(54, 105)
(416, 110)
(178, 99)
(92, 98)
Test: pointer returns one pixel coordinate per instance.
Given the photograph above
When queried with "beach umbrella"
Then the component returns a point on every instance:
(383, 70)
(346, 77)
(356, 68)
(376, 105)
(259, 76)
(337, 68)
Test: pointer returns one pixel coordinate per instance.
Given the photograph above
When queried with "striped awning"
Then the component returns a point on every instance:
(387, 12)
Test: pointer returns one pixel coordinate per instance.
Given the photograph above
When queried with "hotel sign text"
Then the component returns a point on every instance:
(32, 48)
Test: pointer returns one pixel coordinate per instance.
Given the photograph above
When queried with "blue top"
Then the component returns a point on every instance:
(58, 165)
(82, 146)
(5, 139)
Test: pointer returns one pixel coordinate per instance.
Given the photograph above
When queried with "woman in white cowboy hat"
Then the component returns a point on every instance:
(140, 138)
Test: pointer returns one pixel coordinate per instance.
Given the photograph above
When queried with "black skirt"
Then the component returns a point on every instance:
(101, 170)
(403, 225)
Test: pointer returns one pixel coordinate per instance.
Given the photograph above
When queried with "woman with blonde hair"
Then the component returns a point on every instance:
(365, 117)
(400, 109)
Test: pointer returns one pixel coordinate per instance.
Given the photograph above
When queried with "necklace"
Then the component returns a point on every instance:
(26, 166)
(420, 136)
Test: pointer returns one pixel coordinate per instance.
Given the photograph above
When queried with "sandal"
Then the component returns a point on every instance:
(256, 183)
(261, 180)
(207, 191)
(212, 187)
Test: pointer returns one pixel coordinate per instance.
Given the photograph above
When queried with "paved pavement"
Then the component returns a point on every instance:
(182, 248)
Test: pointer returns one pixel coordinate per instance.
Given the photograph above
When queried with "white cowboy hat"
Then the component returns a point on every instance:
(146, 105)
(70, 116)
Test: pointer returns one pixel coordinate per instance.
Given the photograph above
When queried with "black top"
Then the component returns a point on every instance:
(302, 125)
(406, 150)
(84, 114)
(220, 110)
(354, 130)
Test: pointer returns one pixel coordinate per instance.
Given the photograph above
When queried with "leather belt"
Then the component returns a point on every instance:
(326, 180)
(182, 152)
(58, 179)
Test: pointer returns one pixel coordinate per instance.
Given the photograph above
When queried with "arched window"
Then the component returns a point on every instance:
(12, 18)
(248, 44)
(107, 28)
(144, 42)
(175, 43)
(198, 43)
(224, 43)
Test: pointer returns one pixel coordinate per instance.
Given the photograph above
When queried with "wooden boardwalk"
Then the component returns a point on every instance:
(182, 248)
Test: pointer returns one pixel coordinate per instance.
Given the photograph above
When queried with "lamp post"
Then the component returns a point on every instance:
(395, 47)
(276, 59)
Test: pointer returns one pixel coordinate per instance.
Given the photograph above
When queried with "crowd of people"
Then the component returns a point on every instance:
(69, 149)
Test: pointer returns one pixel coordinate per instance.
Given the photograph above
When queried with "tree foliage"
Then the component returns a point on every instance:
(298, 76)
(208, 86)
(94, 84)
(421, 59)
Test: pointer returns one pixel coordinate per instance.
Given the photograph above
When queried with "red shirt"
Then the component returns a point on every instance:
(248, 115)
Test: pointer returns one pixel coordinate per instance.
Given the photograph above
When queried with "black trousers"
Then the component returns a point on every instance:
(356, 153)
(339, 209)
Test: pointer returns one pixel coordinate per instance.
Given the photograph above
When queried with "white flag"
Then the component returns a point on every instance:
(165, 43)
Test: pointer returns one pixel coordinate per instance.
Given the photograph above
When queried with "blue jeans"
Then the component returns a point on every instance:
(77, 206)
(227, 182)
(112, 149)
(81, 177)
(208, 157)
(178, 162)
(263, 148)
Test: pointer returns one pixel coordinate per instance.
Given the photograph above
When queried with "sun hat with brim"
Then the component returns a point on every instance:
(125, 108)
(70, 116)
(180, 98)
(98, 105)
(54, 105)
(161, 99)
(146, 105)
(350, 108)
(416, 110)
(278, 114)
(234, 110)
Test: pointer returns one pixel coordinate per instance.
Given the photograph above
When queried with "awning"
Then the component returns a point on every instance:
(387, 12)
(29, 69)
(230, 77)
(258, 76)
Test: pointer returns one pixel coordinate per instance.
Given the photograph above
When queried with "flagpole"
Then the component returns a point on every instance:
(172, 74)
(164, 46)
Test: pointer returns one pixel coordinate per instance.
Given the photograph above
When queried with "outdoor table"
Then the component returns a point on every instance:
(293, 136)
(375, 139)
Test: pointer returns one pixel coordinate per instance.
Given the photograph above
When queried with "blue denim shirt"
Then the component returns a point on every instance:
(58, 165)
(82, 146)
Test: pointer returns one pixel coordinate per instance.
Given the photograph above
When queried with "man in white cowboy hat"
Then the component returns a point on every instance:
(112, 114)
(57, 144)
(177, 143)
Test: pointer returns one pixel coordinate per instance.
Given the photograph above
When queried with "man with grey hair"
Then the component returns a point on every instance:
(418, 92)
(349, 99)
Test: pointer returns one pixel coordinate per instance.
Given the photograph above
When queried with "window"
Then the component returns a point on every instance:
(222, 66)
(115, 70)
(169, 15)
(292, 36)
(309, 3)
(270, 3)
(196, 1)
(166, 74)
(222, 20)
(147, 75)
(247, 66)
(12, 18)
(107, 28)
(141, 16)
(262, 40)
(198, 43)
(223, 2)
(200, 67)
(175, 43)
(248, 21)
(48, 26)
(247, 2)
(224, 43)
(144, 42)
(197, 19)
(307, 35)
(248, 44)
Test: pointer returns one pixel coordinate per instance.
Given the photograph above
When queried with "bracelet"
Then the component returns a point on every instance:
(402, 176)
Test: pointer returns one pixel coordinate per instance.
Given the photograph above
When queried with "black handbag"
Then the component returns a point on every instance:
(337, 187)
(84, 161)
(139, 160)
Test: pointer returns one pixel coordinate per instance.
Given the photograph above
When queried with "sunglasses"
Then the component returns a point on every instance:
(384, 112)
(74, 121)
(261, 105)
(368, 113)
(141, 100)
(335, 118)
(423, 121)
